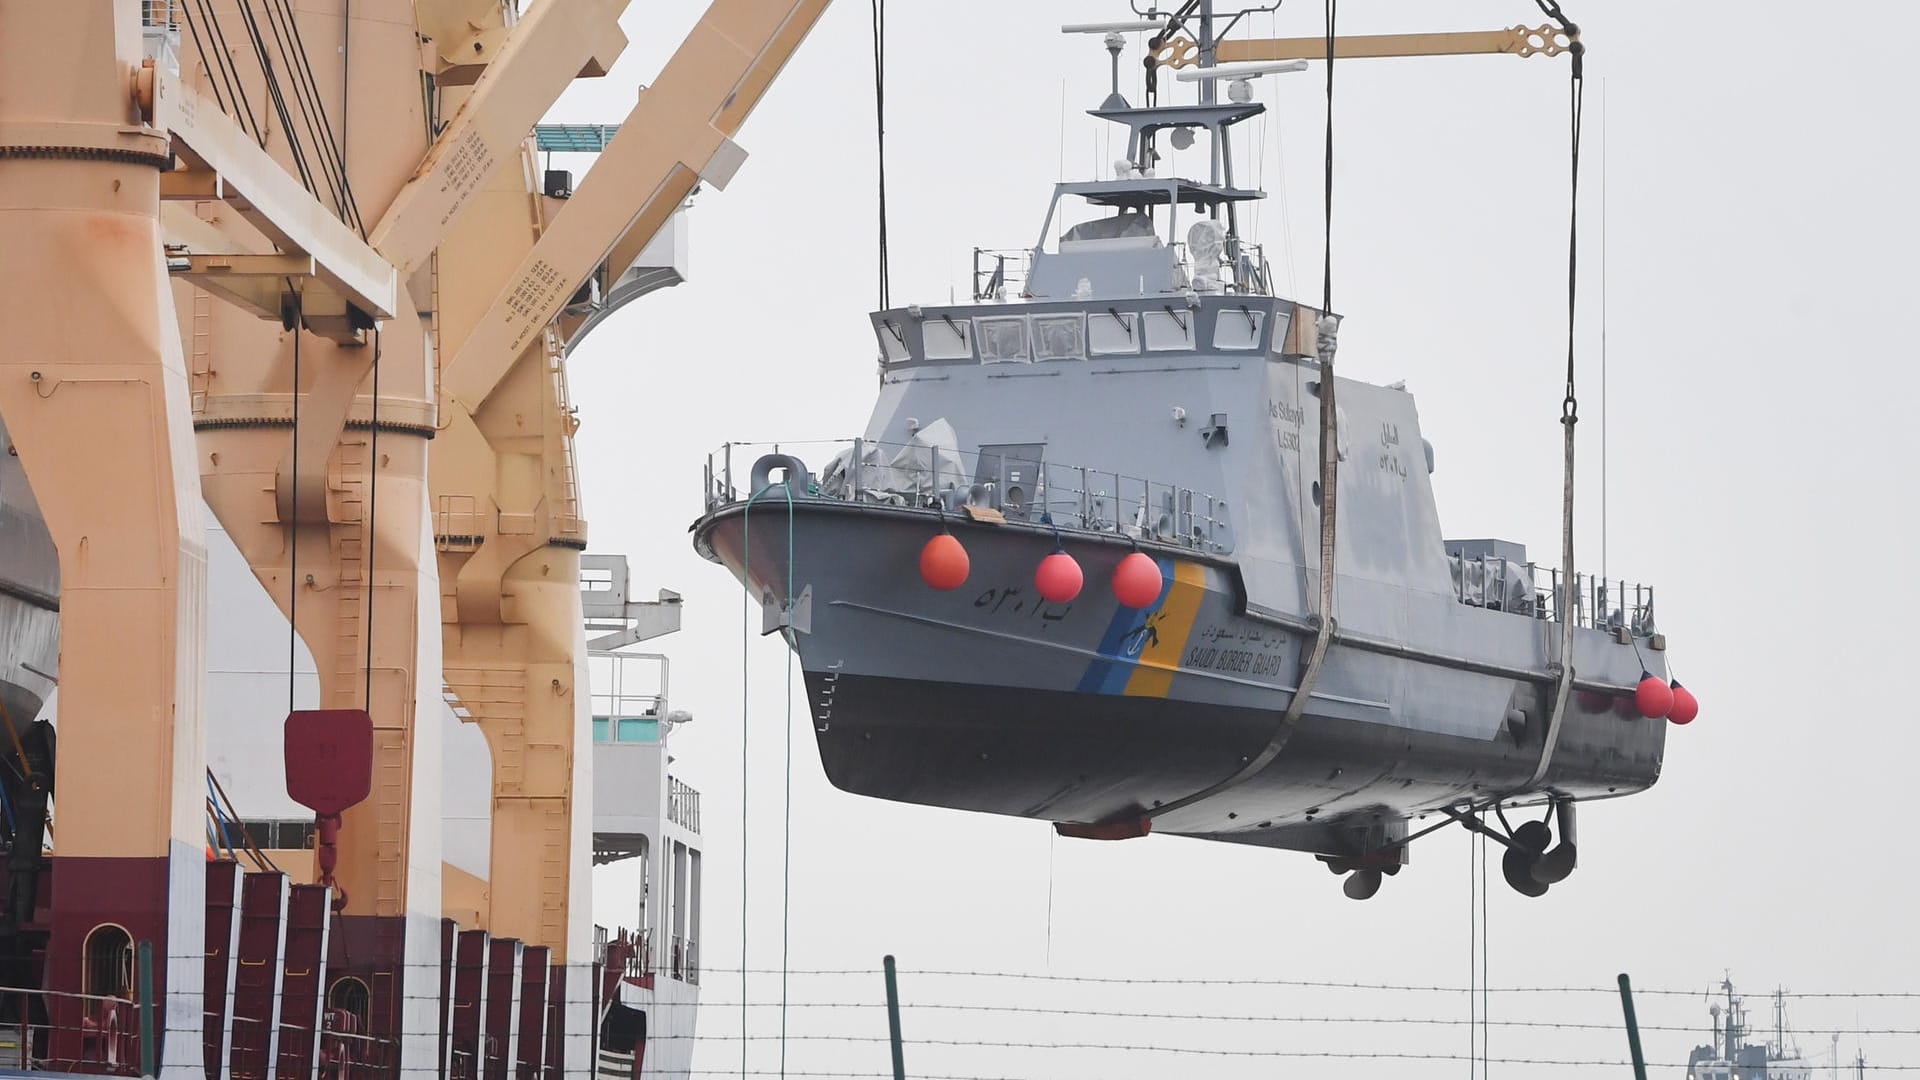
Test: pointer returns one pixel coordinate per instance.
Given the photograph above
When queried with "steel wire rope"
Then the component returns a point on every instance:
(293, 526)
(880, 139)
(236, 86)
(300, 105)
(199, 47)
(1570, 403)
(786, 817)
(746, 580)
(305, 98)
(336, 146)
(1486, 1006)
(348, 208)
(1473, 1004)
(275, 95)
(373, 508)
(1326, 333)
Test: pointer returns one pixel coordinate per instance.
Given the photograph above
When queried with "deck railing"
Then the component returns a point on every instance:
(1068, 497)
(999, 273)
(683, 805)
(1530, 589)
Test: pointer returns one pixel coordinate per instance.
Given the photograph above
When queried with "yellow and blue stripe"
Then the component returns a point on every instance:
(1141, 648)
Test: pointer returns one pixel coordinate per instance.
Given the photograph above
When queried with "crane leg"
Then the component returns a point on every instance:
(94, 392)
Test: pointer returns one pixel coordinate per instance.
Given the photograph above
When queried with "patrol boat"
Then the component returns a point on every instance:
(1731, 1056)
(1071, 570)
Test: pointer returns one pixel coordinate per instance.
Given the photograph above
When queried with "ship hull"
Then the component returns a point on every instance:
(989, 698)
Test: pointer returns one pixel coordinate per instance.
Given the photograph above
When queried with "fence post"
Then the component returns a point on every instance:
(1633, 1028)
(145, 964)
(893, 1021)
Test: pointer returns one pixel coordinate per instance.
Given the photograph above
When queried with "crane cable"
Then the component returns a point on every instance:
(298, 318)
(786, 869)
(880, 139)
(1570, 403)
(1326, 332)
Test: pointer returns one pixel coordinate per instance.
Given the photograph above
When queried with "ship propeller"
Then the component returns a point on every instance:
(1518, 865)
(1361, 884)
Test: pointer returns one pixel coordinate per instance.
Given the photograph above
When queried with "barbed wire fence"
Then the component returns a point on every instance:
(963, 1024)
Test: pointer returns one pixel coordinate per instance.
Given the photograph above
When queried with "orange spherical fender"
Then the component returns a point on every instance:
(1653, 697)
(1685, 705)
(1137, 581)
(1058, 577)
(944, 563)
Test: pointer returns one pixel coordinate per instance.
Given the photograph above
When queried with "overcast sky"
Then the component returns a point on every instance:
(1760, 234)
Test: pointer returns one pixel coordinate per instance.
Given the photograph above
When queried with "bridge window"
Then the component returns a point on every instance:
(1234, 328)
(1003, 340)
(893, 346)
(1170, 330)
(1059, 337)
(947, 338)
(1113, 333)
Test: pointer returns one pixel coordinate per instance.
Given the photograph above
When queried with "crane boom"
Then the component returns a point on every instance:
(1521, 41)
(678, 133)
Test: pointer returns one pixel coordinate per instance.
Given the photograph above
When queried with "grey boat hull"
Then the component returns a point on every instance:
(988, 698)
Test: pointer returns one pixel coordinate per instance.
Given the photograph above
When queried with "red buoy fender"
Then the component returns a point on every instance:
(944, 563)
(1058, 578)
(1685, 705)
(1653, 697)
(1137, 581)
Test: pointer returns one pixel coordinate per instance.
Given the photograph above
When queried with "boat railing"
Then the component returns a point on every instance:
(1598, 603)
(1066, 497)
(628, 687)
(685, 960)
(161, 13)
(1251, 271)
(998, 271)
(683, 805)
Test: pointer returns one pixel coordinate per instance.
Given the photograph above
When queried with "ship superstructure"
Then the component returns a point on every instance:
(1734, 1055)
(1071, 570)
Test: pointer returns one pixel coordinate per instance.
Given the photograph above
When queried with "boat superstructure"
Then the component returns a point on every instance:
(645, 813)
(1130, 393)
(1734, 1055)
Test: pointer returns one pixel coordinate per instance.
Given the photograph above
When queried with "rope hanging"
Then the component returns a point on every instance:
(293, 528)
(786, 869)
(1326, 333)
(373, 506)
(1570, 402)
(880, 138)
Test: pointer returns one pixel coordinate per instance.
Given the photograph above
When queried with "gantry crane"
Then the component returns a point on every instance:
(234, 291)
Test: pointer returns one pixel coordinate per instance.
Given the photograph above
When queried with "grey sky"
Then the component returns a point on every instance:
(1759, 246)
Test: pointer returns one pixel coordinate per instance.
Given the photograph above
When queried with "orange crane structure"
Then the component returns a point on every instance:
(298, 262)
